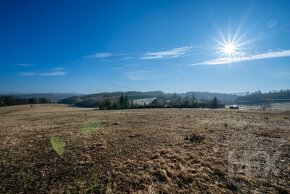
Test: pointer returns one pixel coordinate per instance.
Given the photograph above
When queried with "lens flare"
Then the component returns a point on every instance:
(230, 47)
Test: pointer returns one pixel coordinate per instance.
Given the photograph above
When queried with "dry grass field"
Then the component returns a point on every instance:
(143, 151)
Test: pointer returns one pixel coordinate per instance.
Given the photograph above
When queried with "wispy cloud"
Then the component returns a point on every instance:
(272, 23)
(171, 53)
(43, 74)
(139, 75)
(53, 73)
(58, 69)
(267, 55)
(109, 56)
(99, 55)
(24, 64)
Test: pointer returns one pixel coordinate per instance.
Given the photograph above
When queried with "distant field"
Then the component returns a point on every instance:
(285, 106)
(143, 101)
(60, 149)
(281, 106)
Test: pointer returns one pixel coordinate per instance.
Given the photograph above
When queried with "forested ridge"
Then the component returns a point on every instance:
(269, 97)
(13, 100)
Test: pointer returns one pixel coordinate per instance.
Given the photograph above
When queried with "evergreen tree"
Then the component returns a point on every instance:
(122, 101)
(115, 106)
(108, 104)
(126, 102)
(215, 103)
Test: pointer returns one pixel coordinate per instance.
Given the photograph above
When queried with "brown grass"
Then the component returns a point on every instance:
(138, 151)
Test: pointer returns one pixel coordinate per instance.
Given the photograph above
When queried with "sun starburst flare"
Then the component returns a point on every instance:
(229, 49)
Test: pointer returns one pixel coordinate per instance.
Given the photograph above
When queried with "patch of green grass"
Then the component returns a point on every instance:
(57, 144)
(90, 126)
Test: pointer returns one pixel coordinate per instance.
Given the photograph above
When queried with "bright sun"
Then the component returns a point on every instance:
(229, 47)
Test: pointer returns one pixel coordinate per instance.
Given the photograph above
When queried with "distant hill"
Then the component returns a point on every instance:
(53, 97)
(258, 98)
(224, 98)
(255, 98)
(133, 95)
(14, 100)
(93, 100)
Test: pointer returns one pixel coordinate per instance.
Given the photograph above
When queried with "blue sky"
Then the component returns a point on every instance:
(173, 46)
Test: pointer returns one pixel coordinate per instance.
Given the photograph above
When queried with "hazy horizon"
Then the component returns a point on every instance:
(96, 92)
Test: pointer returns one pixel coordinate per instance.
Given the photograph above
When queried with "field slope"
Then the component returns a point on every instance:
(56, 149)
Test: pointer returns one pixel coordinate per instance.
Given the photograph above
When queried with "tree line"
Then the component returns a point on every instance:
(124, 102)
(13, 100)
(185, 102)
(259, 97)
